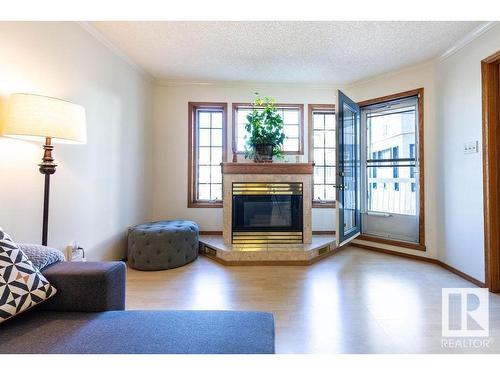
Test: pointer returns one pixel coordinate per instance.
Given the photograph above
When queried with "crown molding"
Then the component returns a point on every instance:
(114, 49)
(474, 34)
(253, 85)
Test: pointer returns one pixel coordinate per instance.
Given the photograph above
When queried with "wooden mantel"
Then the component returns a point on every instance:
(267, 168)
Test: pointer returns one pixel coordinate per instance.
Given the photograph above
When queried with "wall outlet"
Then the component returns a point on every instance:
(75, 253)
(471, 147)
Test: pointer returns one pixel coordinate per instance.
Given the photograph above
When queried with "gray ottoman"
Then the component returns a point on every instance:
(161, 245)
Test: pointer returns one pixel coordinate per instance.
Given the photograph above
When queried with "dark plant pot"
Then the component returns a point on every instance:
(263, 153)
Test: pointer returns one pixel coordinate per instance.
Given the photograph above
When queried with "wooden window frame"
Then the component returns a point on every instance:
(310, 134)
(192, 150)
(419, 93)
(300, 107)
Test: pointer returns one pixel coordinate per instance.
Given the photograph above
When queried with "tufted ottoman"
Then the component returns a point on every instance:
(162, 245)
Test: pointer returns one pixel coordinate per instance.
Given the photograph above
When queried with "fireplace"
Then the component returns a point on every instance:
(267, 212)
(287, 224)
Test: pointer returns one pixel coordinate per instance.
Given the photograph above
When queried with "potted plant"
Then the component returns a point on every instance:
(265, 127)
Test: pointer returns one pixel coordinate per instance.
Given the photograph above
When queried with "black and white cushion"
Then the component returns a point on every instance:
(22, 286)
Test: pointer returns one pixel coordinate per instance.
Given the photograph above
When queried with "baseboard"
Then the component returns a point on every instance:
(462, 274)
(328, 232)
(385, 241)
(423, 259)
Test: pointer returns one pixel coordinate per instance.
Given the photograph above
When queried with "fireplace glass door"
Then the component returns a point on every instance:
(270, 213)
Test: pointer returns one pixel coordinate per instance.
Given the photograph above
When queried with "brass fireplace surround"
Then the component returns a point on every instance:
(267, 237)
(267, 188)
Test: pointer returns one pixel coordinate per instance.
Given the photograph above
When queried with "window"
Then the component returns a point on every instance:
(293, 124)
(322, 153)
(379, 156)
(207, 150)
(392, 128)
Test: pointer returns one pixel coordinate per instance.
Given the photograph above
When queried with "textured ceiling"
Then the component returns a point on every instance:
(298, 52)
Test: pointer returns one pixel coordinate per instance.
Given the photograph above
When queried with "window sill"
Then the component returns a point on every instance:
(317, 204)
(204, 205)
(407, 245)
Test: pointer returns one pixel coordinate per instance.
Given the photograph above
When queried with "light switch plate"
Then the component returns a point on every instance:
(471, 147)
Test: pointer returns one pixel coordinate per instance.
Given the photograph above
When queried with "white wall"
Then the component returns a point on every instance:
(460, 179)
(99, 188)
(171, 142)
(395, 82)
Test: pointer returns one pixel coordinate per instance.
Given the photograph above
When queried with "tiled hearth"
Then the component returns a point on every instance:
(283, 254)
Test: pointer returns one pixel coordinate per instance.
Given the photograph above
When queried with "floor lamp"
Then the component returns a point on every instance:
(46, 119)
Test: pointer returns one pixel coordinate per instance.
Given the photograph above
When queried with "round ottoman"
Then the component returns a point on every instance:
(161, 245)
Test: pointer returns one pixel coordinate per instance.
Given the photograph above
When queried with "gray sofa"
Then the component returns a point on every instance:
(87, 316)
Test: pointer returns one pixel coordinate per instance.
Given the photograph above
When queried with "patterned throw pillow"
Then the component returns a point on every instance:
(22, 286)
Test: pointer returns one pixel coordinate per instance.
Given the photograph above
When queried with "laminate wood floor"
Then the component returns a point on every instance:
(356, 301)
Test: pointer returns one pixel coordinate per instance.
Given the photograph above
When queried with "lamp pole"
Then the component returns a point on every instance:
(47, 167)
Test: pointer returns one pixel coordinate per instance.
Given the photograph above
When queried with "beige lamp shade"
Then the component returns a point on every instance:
(36, 117)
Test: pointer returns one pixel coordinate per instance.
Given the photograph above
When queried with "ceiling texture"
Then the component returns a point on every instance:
(337, 52)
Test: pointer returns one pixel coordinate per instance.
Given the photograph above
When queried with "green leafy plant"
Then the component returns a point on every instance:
(265, 126)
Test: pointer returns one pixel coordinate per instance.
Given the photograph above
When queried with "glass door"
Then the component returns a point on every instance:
(348, 223)
(390, 160)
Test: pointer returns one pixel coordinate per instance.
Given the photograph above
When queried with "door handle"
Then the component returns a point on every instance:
(340, 187)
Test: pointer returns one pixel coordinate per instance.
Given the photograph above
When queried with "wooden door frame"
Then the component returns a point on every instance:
(490, 77)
